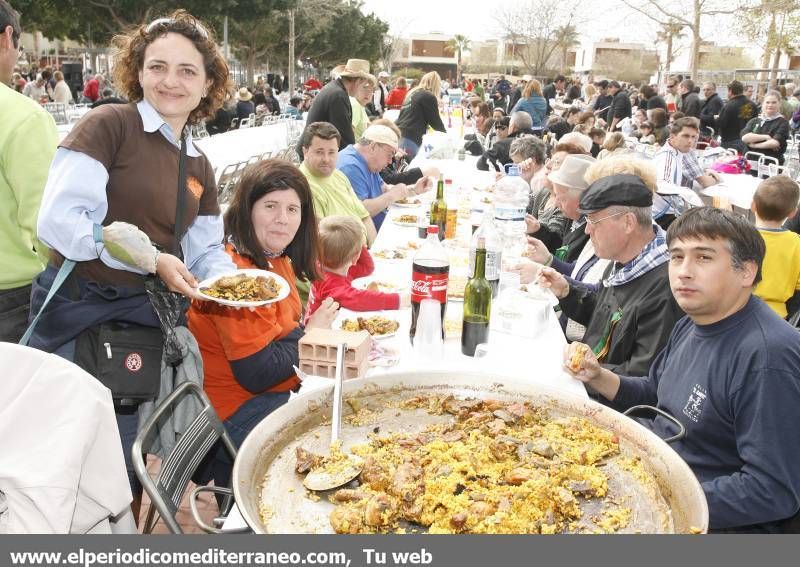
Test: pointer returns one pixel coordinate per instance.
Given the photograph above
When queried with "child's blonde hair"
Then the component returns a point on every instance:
(340, 240)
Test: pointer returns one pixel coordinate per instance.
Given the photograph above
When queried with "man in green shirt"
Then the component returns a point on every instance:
(28, 140)
(332, 192)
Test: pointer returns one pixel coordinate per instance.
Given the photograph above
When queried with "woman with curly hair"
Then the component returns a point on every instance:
(135, 163)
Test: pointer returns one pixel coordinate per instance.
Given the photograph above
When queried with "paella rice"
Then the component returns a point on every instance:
(242, 287)
(375, 325)
(496, 467)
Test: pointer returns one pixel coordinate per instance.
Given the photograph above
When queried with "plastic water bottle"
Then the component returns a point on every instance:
(487, 233)
(511, 196)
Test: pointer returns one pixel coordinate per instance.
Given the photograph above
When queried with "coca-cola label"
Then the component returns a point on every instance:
(424, 286)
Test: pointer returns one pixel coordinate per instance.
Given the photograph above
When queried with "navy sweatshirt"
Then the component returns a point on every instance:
(735, 386)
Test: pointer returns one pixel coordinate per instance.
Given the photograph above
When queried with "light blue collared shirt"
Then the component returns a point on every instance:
(75, 201)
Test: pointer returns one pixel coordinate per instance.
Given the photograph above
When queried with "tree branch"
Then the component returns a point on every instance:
(670, 16)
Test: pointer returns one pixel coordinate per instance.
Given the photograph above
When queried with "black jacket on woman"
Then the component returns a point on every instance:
(419, 111)
(777, 129)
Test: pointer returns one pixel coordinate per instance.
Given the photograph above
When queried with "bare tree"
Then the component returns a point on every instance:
(689, 13)
(391, 50)
(533, 28)
(776, 36)
(670, 31)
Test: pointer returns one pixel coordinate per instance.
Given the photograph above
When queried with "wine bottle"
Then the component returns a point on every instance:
(439, 209)
(477, 304)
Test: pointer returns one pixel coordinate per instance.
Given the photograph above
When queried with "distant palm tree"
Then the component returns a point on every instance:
(566, 37)
(458, 44)
(670, 31)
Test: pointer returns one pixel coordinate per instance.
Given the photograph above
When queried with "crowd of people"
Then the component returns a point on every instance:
(677, 306)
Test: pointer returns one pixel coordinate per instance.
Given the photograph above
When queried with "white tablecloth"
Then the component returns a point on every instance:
(539, 360)
(737, 189)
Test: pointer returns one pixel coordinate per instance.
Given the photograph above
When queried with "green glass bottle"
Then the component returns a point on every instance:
(477, 304)
(439, 208)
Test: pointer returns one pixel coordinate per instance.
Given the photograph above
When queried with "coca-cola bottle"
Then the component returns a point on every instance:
(429, 276)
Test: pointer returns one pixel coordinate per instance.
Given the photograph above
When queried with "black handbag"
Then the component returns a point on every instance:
(125, 358)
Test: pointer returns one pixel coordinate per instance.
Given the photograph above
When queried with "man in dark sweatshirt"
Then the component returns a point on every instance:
(620, 106)
(690, 100)
(729, 374)
(711, 108)
(734, 116)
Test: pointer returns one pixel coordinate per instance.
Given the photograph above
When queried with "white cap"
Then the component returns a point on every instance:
(384, 74)
(381, 134)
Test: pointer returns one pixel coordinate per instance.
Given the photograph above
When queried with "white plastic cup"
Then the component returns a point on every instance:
(428, 335)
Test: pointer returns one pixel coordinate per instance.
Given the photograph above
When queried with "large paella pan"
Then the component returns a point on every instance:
(461, 452)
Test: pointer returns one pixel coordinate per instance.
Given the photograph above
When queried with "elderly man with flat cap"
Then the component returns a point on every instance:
(629, 318)
(362, 163)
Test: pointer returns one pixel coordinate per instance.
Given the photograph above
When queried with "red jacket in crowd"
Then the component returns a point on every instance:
(396, 98)
(92, 89)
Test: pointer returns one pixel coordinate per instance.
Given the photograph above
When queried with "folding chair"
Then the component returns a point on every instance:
(754, 158)
(58, 110)
(167, 488)
(794, 319)
(228, 180)
(764, 165)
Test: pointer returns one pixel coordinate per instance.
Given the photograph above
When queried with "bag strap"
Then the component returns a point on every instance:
(181, 200)
(61, 276)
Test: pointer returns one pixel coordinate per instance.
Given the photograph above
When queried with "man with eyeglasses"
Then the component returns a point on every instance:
(362, 163)
(28, 141)
(629, 317)
(671, 96)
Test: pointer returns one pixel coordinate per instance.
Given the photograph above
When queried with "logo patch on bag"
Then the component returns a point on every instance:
(133, 362)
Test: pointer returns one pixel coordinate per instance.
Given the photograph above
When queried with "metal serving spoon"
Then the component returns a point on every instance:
(344, 471)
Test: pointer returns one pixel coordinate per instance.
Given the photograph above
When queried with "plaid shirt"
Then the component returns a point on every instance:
(676, 168)
(652, 256)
